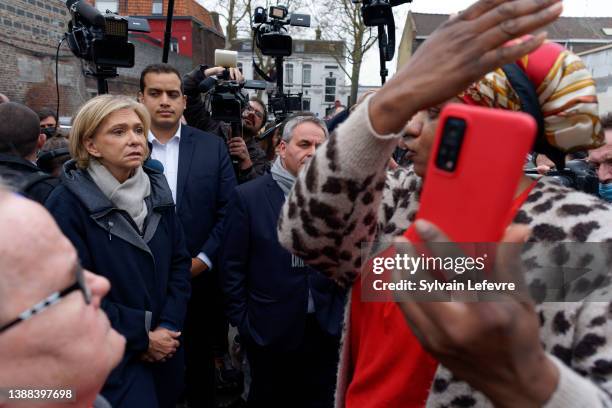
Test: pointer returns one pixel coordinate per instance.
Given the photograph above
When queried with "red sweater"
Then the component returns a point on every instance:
(390, 368)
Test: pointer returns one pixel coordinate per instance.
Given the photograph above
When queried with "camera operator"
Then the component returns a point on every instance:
(252, 160)
(48, 122)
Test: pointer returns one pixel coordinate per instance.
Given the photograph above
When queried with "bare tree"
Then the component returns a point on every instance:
(233, 13)
(238, 16)
(342, 19)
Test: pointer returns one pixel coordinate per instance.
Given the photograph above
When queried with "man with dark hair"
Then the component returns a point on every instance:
(199, 172)
(20, 140)
(252, 160)
(54, 153)
(48, 122)
(158, 69)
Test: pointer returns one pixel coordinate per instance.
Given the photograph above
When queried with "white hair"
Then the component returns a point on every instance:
(298, 120)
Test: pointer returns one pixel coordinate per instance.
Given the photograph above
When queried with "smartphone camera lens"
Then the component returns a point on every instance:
(450, 145)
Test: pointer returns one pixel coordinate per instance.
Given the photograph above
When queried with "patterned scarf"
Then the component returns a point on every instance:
(566, 92)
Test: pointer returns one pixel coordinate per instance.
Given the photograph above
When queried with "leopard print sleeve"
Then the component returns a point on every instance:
(585, 377)
(334, 205)
(573, 230)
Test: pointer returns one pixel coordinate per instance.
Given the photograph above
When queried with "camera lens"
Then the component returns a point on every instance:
(450, 145)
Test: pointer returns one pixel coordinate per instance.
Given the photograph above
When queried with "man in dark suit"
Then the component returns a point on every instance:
(199, 172)
(288, 315)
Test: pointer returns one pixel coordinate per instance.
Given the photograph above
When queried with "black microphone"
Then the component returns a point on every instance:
(87, 12)
(207, 84)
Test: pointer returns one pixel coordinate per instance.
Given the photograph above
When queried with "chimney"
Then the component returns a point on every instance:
(318, 33)
(215, 18)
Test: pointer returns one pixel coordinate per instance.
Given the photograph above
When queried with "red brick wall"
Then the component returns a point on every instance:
(182, 8)
(183, 30)
(204, 45)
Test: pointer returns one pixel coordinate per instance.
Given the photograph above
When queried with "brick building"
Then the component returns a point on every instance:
(30, 31)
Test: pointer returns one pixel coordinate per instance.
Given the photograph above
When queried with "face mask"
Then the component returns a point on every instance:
(49, 132)
(605, 191)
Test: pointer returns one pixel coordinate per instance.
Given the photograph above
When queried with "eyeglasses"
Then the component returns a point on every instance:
(52, 299)
(257, 113)
(47, 126)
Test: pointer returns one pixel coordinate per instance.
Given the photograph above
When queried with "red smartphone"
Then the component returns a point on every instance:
(474, 169)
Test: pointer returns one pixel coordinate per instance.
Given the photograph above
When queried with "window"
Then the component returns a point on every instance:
(289, 74)
(174, 45)
(109, 5)
(306, 105)
(158, 6)
(330, 89)
(306, 70)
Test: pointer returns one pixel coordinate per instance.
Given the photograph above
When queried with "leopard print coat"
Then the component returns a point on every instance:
(346, 197)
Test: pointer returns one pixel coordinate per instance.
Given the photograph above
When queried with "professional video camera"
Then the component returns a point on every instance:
(224, 97)
(101, 40)
(379, 13)
(577, 174)
(269, 35)
(283, 105)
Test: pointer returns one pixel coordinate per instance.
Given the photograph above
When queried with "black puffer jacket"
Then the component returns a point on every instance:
(26, 178)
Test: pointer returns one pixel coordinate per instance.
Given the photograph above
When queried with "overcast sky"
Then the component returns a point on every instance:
(370, 69)
(573, 8)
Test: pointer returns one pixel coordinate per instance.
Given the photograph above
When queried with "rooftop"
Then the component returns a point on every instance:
(299, 46)
(583, 28)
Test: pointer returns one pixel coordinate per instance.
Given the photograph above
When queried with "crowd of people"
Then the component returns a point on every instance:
(160, 248)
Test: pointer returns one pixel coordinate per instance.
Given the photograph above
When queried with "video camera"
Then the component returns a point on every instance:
(283, 105)
(268, 28)
(577, 174)
(271, 38)
(225, 99)
(101, 39)
(378, 12)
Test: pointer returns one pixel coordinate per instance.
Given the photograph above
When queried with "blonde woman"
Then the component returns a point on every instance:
(120, 216)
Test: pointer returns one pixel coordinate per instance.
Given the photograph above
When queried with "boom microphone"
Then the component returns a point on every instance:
(87, 12)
